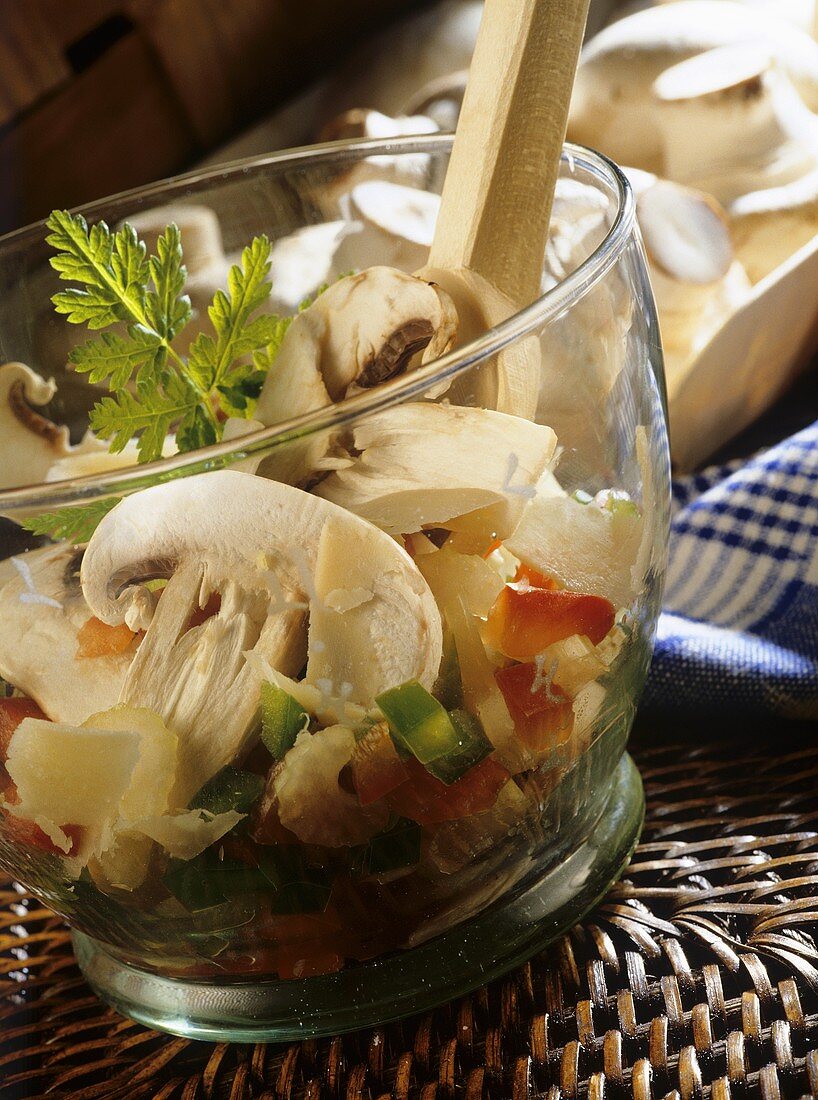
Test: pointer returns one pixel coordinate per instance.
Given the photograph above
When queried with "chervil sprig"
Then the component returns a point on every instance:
(154, 388)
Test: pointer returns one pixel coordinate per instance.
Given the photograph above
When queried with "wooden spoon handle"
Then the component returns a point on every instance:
(501, 177)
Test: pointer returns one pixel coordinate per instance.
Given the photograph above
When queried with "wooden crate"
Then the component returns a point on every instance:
(103, 95)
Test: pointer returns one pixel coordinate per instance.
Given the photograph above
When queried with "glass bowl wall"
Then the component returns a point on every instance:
(275, 934)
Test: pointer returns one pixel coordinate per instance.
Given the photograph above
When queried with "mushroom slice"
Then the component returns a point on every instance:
(304, 260)
(395, 226)
(423, 465)
(611, 107)
(42, 610)
(264, 548)
(30, 443)
(412, 169)
(362, 331)
(312, 803)
(510, 381)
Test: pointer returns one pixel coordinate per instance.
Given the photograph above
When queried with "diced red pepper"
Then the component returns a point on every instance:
(543, 717)
(525, 620)
(429, 802)
(12, 713)
(98, 639)
(29, 834)
(376, 767)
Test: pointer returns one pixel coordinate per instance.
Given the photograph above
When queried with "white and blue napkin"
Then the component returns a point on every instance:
(739, 631)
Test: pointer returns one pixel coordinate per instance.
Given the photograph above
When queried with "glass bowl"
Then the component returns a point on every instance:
(336, 730)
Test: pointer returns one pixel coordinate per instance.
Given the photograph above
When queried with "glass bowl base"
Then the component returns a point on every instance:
(448, 966)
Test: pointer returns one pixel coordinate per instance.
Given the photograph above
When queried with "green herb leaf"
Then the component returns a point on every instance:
(168, 309)
(113, 268)
(235, 335)
(229, 789)
(120, 283)
(114, 358)
(148, 414)
(71, 524)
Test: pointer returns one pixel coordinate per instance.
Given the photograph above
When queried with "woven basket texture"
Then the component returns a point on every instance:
(696, 977)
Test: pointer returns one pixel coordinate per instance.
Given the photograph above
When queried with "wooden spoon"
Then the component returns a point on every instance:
(500, 182)
(492, 228)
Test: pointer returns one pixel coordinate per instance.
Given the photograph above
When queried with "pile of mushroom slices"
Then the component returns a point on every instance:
(348, 565)
(713, 103)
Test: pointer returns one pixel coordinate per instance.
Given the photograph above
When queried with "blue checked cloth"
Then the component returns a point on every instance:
(739, 631)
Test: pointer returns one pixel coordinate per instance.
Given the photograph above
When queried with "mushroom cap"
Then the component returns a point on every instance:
(685, 232)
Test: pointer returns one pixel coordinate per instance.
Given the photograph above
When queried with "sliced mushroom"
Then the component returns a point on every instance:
(409, 169)
(310, 799)
(30, 443)
(396, 223)
(362, 331)
(423, 465)
(265, 548)
(34, 449)
(42, 610)
(305, 260)
(612, 107)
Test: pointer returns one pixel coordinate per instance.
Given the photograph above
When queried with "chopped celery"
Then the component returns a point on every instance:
(419, 722)
(229, 789)
(297, 887)
(395, 848)
(474, 747)
(449, 686)
(282, 719)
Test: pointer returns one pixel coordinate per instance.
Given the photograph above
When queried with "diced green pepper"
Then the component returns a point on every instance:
(392, 850)
(419, 722)
(449, 685)
(229, 789)
(207, 881)
(282, 719)
(474, 747)
(297, 887)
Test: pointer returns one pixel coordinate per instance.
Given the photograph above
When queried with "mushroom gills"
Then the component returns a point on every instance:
(198, 680)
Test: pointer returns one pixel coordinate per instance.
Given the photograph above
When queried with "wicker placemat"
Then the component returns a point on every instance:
(696, 977)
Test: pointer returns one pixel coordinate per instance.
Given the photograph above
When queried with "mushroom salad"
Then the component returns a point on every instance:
(320, 706)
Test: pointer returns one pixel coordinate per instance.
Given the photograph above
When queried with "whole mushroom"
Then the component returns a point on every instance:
(768, 180)
(298, 579)
(612, 107)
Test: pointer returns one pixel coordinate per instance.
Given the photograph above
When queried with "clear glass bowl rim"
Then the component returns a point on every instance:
(551, 304)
